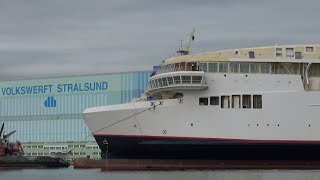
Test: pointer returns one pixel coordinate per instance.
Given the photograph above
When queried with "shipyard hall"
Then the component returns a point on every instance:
(47, 113)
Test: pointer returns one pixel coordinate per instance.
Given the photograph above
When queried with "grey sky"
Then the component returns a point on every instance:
(49, 38)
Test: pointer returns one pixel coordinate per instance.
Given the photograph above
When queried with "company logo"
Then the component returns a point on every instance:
(50, 102)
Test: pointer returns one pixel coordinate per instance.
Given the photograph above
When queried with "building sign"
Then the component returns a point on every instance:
(50, 102)
(50, 88)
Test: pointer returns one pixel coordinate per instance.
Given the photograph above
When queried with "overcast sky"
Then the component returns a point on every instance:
(50, 38)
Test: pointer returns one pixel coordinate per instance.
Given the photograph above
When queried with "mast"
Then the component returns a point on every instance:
(185, 51)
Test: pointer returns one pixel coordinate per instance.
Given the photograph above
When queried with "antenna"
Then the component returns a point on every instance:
(185, 51)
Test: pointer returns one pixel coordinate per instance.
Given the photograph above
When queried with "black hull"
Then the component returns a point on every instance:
(144, 147)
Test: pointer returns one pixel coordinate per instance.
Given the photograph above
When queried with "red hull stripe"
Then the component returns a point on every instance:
(211, 139)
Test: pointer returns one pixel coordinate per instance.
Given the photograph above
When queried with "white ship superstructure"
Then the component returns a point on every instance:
(253, 103)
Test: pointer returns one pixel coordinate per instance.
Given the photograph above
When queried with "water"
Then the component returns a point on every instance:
(97, 174)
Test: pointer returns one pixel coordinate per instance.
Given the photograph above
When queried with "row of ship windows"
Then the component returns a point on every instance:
(237, 101)
(170, 80)
(235, 67)
(223, 67)
(290, 52)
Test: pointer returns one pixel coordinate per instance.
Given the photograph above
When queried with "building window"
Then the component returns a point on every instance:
(203, 101)
(289, 52)
(225, 102)
(236, 101)
(234, 67)
(213, 67)
(309, 49)
(203, 67)
(257, 101)
(254, 68)
(246, 101)
(244, 68)
(214, 100)
(251, 55)
(223, 67)
(278, 52)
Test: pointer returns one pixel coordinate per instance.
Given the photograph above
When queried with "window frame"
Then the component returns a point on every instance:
(211, 100)
(257, 102)
(205, 102)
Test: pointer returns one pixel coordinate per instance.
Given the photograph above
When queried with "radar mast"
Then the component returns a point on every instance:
(185, 50)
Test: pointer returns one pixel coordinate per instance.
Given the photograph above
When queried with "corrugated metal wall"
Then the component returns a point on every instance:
(36, 122)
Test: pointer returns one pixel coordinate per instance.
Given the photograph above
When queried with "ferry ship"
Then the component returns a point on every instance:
(248, 103)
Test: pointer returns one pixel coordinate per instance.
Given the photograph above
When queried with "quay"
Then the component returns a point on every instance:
(157, 164)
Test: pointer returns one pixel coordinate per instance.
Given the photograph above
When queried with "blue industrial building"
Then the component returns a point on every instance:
(49, 110)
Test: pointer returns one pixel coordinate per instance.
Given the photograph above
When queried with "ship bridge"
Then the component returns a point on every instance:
(177, 80)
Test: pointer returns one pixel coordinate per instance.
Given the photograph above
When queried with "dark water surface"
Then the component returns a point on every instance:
(97, 174)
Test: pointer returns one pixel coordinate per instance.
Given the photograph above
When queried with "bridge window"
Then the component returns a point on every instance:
(309, 49)
(159, 82)
(244, 68)
(177, 79)
(214, 100)
(246, 101)
(278, 52)
(254, 68)
(186, 79)
(164, 81)
(289, 52)
(196, 79)
(203, 101)
(155, 84)
(225, 102)
(251, 55)
(236, 101)
(170, 80)
(223, 67)
(213, 67)
(265, 68)
(203, 67)
(298, 55)
(257, 101)
(234, 67)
